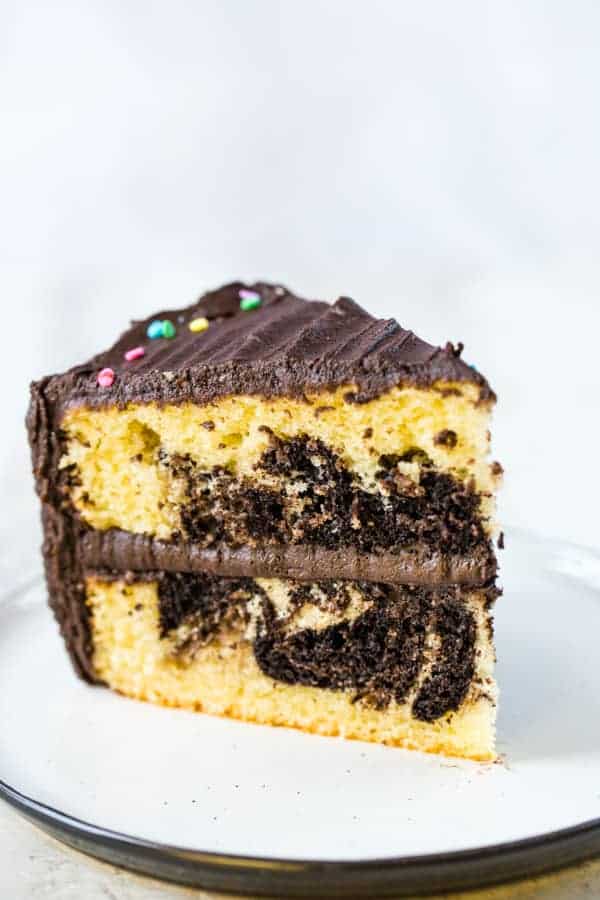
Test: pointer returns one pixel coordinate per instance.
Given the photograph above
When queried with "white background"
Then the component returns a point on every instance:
(436, 161)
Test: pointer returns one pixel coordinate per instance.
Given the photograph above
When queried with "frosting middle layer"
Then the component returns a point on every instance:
(418, 564)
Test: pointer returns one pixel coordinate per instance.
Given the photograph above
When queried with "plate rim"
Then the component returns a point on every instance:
(281, 877)
(264, 876)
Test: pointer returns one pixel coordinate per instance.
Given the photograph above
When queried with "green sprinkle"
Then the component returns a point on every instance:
(168, 329)
(249, 300)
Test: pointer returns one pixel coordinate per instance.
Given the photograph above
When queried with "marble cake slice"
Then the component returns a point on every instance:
(258, 435)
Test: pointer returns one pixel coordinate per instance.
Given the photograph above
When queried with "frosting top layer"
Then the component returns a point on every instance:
(286, 347)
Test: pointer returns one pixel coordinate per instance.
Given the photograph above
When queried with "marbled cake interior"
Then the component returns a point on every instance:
(410, 468)
(379, 649)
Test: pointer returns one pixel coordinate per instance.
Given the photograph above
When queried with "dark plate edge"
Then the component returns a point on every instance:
(402, 876)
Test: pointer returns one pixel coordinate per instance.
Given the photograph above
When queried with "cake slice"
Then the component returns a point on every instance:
(261, 445)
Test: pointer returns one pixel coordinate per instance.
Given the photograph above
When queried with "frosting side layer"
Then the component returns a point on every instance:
(61, 551)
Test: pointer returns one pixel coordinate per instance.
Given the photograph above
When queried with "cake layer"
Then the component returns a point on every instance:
(407, 473)
(404, 666)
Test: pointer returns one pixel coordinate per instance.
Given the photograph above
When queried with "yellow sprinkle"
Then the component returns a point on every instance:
(197, 325)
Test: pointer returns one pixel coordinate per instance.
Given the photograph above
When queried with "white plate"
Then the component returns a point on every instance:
(144, 780)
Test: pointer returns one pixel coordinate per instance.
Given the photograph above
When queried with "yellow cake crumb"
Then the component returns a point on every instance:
(120, 482)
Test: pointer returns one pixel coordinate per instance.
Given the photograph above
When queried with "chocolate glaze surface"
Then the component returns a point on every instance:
(287, 347)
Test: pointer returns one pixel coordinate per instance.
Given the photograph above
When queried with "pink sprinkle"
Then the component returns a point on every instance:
(134, 353)
(245, 294)
(106, 377)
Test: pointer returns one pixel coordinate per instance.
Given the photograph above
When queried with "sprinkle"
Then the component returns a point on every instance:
(249, 300)
(161, 329)
(134, 353)
(106, 378)
(197, 325)
(155, 330)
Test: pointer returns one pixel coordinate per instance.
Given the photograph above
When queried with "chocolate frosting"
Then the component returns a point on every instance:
(418, 565)
(286, 347)
(62, 561)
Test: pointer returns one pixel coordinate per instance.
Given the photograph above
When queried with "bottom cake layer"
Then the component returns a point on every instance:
(405, 666)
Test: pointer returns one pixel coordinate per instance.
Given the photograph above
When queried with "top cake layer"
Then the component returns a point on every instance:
(278, 438)
(285, 347)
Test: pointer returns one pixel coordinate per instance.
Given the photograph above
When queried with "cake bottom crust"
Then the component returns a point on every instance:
(224, 679)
